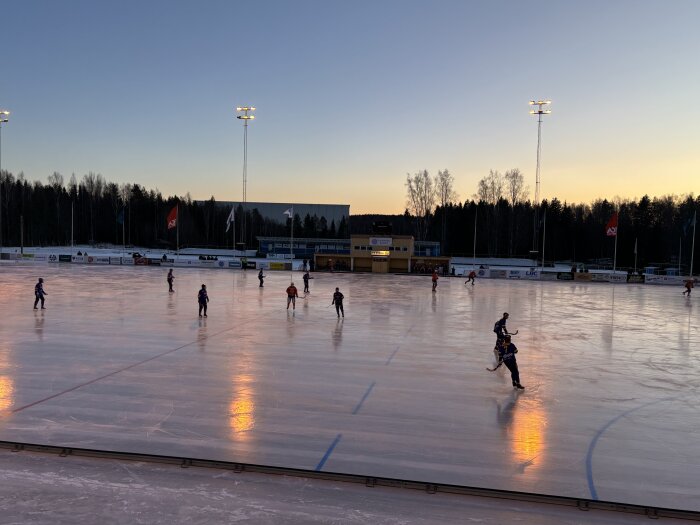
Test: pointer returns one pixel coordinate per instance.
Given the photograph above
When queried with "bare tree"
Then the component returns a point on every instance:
(446, 194)
(420, 199)
(490, 188)
(516, 192)
(490, 191)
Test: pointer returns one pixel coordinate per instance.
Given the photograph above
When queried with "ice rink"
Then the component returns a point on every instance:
(398, 388)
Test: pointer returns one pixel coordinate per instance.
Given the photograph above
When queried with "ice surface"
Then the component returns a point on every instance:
(398, 388)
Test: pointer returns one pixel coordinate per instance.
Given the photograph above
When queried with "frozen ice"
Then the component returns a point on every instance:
(398, 388)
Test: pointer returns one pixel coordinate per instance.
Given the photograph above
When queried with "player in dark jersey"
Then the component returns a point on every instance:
(39, 293)
(506, 353)
(261, 277)
(338, 302)
(203, 299)
(306, 281)
(501, 331)
(170, 280)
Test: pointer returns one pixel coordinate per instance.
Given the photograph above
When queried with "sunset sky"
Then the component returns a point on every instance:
(352, 96)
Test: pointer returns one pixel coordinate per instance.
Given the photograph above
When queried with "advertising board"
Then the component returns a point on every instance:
(664, 279)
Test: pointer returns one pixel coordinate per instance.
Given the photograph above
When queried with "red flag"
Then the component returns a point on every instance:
(611, 228)
(172, 218)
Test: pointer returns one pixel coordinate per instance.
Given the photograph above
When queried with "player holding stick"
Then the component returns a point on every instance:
(506, 356)
(501, 332)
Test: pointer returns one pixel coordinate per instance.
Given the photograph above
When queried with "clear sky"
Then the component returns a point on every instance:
(352, 96)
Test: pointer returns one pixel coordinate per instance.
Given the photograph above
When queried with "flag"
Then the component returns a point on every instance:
(688, 224)
(611, 228)
(172, 218)
(289, 212)
(635, 246)
(120, 216)
(231, 219)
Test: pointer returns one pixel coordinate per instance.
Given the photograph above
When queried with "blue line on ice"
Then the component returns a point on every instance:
(594, 441)
(359, 405)
(328, 452)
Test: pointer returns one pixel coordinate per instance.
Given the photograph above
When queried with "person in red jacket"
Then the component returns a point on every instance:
(471, 277)
(292, 295)
(689, 284)
(435, 279)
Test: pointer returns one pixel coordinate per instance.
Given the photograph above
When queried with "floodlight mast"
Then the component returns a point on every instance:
(245, 117)
(4, 118)
(539, 112)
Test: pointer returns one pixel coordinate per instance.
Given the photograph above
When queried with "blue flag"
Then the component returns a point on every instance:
(120, 216)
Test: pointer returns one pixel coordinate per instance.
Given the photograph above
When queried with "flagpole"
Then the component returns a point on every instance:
(544, 235)
(476, 208)
(291, 244)
(692, 250)
(177, 227)
(635, 255)
(123, 238)
(680, 251)
(617, 231)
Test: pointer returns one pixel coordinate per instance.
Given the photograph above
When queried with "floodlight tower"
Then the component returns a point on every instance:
(539, 112)
(4, 117)
(245, 117)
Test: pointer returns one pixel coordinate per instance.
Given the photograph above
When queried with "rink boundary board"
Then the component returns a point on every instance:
(583, 504)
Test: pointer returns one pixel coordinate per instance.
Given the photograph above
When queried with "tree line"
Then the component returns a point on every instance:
(95, 211)
(658, 229)
(507, 223)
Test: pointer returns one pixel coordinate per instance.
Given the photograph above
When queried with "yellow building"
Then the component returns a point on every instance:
(383, 254)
